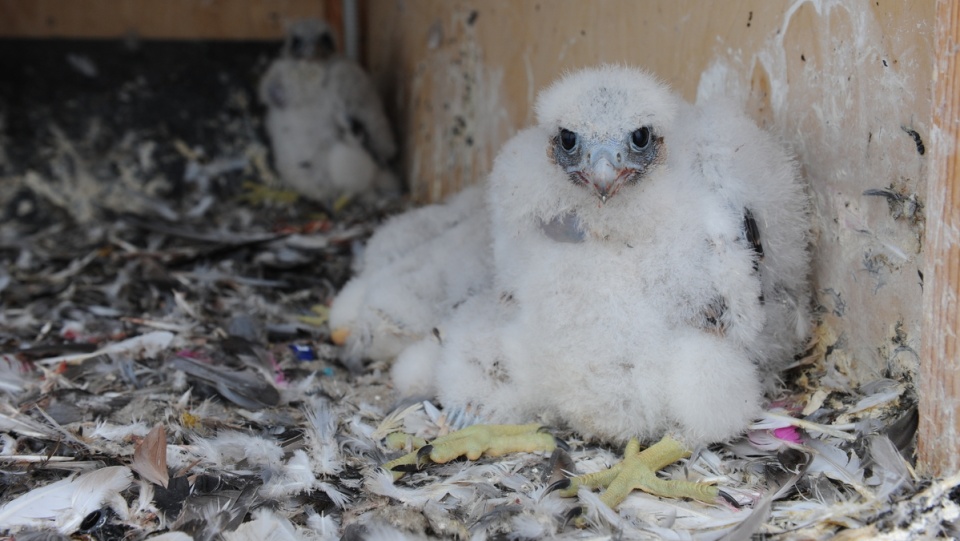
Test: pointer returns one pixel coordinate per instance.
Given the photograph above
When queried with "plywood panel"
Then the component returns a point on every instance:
(846, 85)
(167, 19)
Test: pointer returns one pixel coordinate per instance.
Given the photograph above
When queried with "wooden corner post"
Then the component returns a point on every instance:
(939, 431)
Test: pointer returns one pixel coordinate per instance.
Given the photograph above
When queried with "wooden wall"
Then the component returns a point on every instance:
(158, 19)
(847, 85)
(940, 359)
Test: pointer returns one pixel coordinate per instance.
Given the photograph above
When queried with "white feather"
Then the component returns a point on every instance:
(265, 526)
(13, 375)
(461, 485)
(229, 447)
(775, 419)
(338, 498)
(294, 477)
(880, 392)
(595, 510)
(321, 430)
(21, 424)
(324, 526)
(65, 503)
(382, 532)
(890, 470)
(114, 432)
(172, 536)
(832, 461)
(146, 345)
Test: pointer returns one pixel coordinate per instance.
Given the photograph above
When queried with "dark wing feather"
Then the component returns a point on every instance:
(752, 233)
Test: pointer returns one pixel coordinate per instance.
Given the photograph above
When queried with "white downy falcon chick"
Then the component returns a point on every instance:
(649, 274)
(329, 134)
(650, 269)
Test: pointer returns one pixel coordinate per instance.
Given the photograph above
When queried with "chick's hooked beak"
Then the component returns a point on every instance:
(605, 171)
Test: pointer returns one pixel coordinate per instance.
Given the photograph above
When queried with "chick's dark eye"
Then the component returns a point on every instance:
(356, 127)
(326, 43)
(568, 139)
(296, 45)
(640, 138)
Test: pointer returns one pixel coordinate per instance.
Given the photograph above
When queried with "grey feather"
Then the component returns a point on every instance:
(564, 228)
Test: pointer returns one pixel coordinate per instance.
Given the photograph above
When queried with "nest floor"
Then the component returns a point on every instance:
(166, 371)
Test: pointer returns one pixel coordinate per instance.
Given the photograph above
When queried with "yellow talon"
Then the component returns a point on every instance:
(398, 441)
(638, 471)
(339, 336)
(473, 442)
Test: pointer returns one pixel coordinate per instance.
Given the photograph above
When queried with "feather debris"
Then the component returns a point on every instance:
(207, 516)
(460, 485)
(395, 421)
(890, 471)
(246, 389)
(35, 458)
(12, 375)
(147, 345)
(753, 521)
(294, 477)
(172, 536)
(321, 439)
(144, 508)
(324, 527)
(880, 392)
(384, 532)
(265, 526)
(25, 425)
(65, 503)
(837, 464)
(777, 419)
(117, 432)
(150, 457)
(231, 449)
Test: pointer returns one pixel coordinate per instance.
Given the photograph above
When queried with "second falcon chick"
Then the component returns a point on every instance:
(328, 131)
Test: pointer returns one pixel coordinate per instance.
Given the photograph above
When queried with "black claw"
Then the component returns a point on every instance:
(562, 484)
(424, 452)
(730, 499)
(549, 430)
(561, 444)
(406, 468)
(572, 514)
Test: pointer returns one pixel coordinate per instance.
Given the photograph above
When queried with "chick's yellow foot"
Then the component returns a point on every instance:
(473, 442)
(638, 471)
